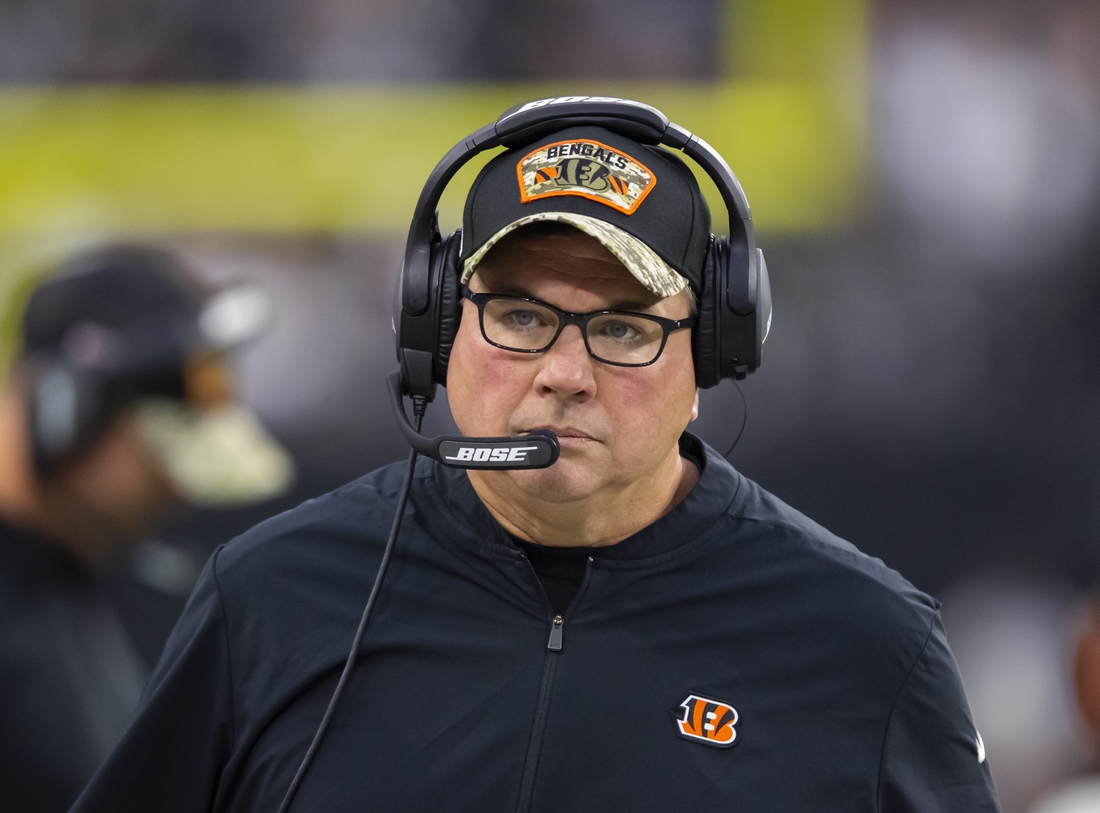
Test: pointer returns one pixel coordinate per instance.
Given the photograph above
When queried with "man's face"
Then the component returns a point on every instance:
(615, 424)
(101, 501)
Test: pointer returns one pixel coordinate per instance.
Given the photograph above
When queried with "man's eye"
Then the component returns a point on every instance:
(621, 331)
(521, 319)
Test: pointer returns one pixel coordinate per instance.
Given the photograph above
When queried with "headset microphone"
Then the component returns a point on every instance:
(537, 450)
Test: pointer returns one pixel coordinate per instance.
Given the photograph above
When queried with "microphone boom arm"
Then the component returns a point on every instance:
(536, 450)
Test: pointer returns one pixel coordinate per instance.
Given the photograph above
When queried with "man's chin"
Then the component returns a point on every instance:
(564, 482)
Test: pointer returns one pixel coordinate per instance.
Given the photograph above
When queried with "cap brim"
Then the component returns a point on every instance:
(640, 260)
(234, 316)
(214, 457)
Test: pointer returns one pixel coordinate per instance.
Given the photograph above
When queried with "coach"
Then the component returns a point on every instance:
(637, 627)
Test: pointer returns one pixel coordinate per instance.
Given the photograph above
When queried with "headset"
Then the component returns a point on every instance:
(734, 309)
(73, 391)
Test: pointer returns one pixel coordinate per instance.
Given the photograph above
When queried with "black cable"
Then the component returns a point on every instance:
(744, 419)
(419, 406)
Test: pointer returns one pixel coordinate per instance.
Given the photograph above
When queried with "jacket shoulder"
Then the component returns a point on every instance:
(841, 583)
(323, 536)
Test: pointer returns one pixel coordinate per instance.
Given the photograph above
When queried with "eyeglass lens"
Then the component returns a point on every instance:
(620, 338)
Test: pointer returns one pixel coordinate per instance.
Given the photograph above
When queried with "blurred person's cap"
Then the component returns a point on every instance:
(144, 293)
(135, 325)
(642, 203)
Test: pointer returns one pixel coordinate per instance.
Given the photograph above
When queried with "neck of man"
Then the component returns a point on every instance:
(604, 518)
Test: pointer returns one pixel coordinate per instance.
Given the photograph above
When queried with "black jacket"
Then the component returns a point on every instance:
(69, 679)
(827, 674)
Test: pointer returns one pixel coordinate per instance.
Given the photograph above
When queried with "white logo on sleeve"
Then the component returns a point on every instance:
(980, 746)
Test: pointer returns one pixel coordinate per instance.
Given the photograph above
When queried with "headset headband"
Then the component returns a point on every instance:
(523, 124)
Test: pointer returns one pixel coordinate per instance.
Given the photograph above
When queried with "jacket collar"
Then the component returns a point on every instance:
(713, 496)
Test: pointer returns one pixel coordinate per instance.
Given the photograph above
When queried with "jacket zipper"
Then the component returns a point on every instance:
(554, 644)
(542, 707)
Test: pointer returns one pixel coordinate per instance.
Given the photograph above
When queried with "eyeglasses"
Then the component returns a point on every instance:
(621, 338)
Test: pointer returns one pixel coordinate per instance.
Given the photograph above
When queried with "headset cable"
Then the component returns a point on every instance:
(419, 407)
(744, 420)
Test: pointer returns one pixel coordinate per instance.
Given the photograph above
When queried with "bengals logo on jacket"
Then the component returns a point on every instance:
(707, 721)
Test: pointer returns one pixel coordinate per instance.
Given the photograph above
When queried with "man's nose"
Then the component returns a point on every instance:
(567, 369)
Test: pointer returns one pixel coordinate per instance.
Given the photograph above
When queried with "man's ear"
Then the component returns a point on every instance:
(695, 405)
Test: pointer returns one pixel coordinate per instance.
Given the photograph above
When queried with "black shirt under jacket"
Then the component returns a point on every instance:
(731, 621)
(69, 679)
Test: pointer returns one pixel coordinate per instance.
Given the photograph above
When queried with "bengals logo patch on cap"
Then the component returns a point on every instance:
(587, 169)
(707, 721)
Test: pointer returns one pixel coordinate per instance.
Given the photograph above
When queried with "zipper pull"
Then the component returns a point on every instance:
(555, 635)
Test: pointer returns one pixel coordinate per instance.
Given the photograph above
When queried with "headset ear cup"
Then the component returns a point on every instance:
(449, 303)
(33, 402)
(66, 410)
(705, 335)
(763, 304)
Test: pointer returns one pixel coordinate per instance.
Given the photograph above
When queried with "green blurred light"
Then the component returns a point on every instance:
(78, 160)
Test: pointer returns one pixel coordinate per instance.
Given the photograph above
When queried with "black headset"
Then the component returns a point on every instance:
(67, 407)
(735, 306)
(73, 391)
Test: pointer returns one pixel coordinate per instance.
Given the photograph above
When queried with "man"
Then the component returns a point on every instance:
(117, 389)
(636, 627)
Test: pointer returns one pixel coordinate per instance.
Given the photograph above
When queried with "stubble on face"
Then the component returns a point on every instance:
(617, 426)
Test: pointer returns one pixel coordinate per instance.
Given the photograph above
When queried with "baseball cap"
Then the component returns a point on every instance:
(642, 203)
(134, 330)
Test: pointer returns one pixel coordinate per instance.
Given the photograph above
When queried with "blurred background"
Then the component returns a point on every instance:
(925, 181)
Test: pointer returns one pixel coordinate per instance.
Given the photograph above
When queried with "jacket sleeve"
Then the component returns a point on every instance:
(933, 759)
(171, 758)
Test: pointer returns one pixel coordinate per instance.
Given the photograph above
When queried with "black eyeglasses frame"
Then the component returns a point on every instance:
(581, 320)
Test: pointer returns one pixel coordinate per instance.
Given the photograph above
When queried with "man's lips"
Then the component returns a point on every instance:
(564, 432)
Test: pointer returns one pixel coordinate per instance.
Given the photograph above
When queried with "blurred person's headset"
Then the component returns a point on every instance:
(113, 326)
(734, 308)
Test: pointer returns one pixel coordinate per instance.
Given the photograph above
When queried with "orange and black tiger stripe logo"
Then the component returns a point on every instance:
(546, 174)
(585, 168)
(707, 721)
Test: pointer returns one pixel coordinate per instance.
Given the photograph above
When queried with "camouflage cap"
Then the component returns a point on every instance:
(639, 259)
(642, 203)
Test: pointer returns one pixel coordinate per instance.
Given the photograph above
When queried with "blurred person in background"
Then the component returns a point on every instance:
(1082, 795)
(118, 405)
